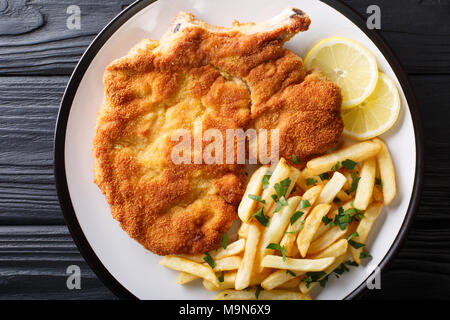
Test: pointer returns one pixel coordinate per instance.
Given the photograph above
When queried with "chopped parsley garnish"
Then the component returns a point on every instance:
(326, 220)
(343, 218)
(336, 166)
(224, 240)
(221, 277)
(295, 159)
(277, 208)
(209, 260)
(324, 281)
(349, 164)
(355, 244)
(291, 273)
(310, 181)
(353, 235)
(313, 277)
(281, 203)
(259, 215)
(265, 180)
(341, 269)
(256, 198)
(322, 278)
(258, 291)
(282, 187)
(296, 216)
(324, 176)
(379, 182)
(304, 204)
(351, 263)
(365, 255)
(354, 183)
(298, 230)
(276, 246)
(274, 197)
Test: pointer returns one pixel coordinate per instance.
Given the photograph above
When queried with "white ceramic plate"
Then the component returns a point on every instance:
(124, 265)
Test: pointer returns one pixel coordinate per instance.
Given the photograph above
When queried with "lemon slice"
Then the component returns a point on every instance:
(376, 115)
(349, 65)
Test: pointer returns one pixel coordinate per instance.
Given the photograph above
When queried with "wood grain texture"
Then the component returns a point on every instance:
(33, 264)
(28, 110)
(35, 246)
(417, 30)
(54, 49)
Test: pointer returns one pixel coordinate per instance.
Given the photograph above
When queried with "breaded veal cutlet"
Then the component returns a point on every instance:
(221, 78)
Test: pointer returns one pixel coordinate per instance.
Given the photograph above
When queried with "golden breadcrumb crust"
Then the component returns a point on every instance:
(225, 79)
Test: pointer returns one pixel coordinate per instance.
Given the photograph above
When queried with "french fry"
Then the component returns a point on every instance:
(348, 183)
(310, 227)
(294, 253)
(304, 288)
(332, 188)
(254, 187)
(185, 278)
(229, 279)
(180, 264)
(343, 196)
(245, 269)
(357, 152)
(377, 194)
(291, 284)
(387, 172)
(243, 230)
(300, 265)
(366, 184)
(263, 295)
(329, 237)
(228, 263)
(232, 249)
(278, 278)
(363, 229)
(289, 237)
(282, 171)
(302, 180)
(258, 277)
(225, 264)
(337, 249)
(278, 223)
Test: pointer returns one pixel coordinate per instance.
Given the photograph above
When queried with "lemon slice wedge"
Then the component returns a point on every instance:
(376, 115)
(349, 65)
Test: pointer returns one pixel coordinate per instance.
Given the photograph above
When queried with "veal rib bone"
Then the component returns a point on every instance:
(283, 26)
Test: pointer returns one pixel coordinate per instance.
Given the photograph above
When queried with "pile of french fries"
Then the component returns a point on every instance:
(298, 226)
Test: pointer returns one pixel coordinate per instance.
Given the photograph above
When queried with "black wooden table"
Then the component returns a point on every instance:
(39, 52)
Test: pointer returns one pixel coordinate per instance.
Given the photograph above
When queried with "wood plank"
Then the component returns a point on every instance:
(33, 264)
(28, 110)
(54, 48)
(417, 30)
(408, 25)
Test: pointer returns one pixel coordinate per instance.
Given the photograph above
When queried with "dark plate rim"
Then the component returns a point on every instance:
(61, 125)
